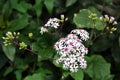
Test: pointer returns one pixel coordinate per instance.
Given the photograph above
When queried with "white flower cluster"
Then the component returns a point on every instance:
(110, 19)
(72, 50)
(52, 22)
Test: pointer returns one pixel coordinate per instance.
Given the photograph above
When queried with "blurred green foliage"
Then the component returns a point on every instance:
(27, 16)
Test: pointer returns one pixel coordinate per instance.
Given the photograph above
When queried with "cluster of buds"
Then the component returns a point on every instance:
(10, 37)
(72, 51)
(22, 45)
(52, 23)
(108, 19)
(93, 16)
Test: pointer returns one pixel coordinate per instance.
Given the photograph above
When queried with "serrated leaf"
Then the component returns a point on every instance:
(98, 68)
(9, 51)
(78, 75)
(70, 2)
(49, 5)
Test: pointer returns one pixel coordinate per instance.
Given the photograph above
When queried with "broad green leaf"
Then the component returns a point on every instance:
(38, 7)
(9, 51)
(18, 24)
(94, 10)
(8, 71)
(99, 25)
(70, 2)
(78, 75)
(35, 76)
(98, 68)
(82, 20)
(49, 5)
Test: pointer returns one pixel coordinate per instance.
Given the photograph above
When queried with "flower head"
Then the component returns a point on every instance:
(72, 50)
(52, 22)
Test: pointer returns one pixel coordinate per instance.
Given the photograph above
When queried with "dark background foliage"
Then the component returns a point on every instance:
(26, 16)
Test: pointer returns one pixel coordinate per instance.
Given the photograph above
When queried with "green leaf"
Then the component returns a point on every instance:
(49, 5)
(98, 68)
(54, 61)
(82, 20)
(6, 12)
(8, 71)
(116, 53)
(35, 76)
(18, 74)
(94, 10)
(45, 53)
(20, 63)
(78, 75)
(21, 7)
(9, 51)
(99, 24)
(38, 7)
(14, 3)
(3, 59)
(18, 24)
(70, 2)
(106, 43)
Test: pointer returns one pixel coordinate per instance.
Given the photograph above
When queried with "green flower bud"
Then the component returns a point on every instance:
(30, 35)
(22, 45)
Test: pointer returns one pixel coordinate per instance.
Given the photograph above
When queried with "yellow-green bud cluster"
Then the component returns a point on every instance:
(22, 45)
(9, 36)
(93, 16)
